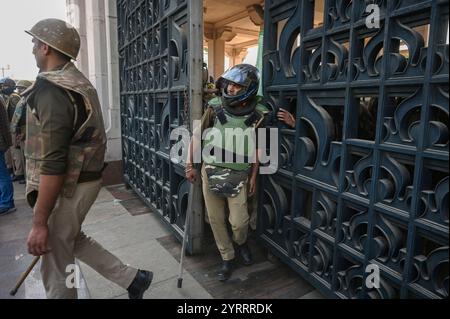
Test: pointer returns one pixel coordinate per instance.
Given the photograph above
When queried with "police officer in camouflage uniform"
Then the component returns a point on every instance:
(18, 124)
(230, 181)
(65, 149)
(11, 99)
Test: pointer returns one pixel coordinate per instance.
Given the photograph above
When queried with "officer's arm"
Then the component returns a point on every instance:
(195, 143)
(56, 115)
(286, 117)
(193, 148)
(255, 165)
(49, 188)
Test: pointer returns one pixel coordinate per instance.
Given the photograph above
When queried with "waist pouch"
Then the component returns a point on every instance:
(225, 182)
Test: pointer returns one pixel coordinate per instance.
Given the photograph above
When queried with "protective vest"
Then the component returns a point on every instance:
(88, 145)
(233, 149)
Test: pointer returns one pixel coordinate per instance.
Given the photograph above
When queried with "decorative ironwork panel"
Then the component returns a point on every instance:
(363, 178)
(153, 48)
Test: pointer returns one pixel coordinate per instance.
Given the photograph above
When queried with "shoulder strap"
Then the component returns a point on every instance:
(218, 110)
(255, 117)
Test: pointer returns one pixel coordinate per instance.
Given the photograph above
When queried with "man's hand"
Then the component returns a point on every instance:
(37, 240)
(191, 175)
(252, 186)
(286, 117)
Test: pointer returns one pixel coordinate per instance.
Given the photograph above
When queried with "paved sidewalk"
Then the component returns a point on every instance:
(131, 238)
(120, 222)
(134, 240)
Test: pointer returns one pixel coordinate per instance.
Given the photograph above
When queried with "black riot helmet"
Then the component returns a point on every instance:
(8, 82)
(7, 86)
(245, 75)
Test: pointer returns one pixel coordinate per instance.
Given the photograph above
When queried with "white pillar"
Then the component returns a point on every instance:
(113, 131)
(216, 57)
(216, 49)
(76, 15)
(97, 52)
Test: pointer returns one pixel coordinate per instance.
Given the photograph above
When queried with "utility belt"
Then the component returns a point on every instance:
(86, 177)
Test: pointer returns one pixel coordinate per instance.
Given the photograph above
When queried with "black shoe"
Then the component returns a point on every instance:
(225, 270)
(140, 284)
(22, 182)
(245, 254)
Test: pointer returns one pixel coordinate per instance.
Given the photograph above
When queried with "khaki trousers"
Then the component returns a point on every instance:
(238, 218)
(68, 242)
(18, 157)
(8, 158)
(22, 156)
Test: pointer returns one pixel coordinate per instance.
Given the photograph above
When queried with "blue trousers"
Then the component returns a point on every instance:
(6, 186)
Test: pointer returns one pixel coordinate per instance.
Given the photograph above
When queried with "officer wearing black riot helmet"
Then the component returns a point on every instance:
(233, 181)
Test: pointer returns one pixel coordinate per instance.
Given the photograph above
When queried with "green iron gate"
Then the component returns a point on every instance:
(363, 178)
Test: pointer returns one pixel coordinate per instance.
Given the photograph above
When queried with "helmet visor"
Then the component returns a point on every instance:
(237, 76)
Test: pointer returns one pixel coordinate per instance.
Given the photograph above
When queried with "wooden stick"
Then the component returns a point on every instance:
(24, 276)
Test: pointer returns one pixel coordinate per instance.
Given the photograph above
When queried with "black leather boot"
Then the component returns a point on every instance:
(246, 255)
(140, 284)
(225, 270)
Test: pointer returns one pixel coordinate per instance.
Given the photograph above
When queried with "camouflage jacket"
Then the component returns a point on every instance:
(11, 101)
(5, 136)
(88, 144)
(19, 117)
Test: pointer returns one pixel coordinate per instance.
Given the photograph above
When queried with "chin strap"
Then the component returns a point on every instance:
(250, 108)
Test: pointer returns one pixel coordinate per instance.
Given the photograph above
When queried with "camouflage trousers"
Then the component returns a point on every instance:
(238, 218)
(68, 242)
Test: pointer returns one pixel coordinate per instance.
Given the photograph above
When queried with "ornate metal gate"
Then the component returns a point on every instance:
(153, 47)
(364, 177)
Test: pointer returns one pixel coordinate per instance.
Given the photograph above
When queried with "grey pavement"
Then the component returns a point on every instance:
(131, 238)
(136, 239)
